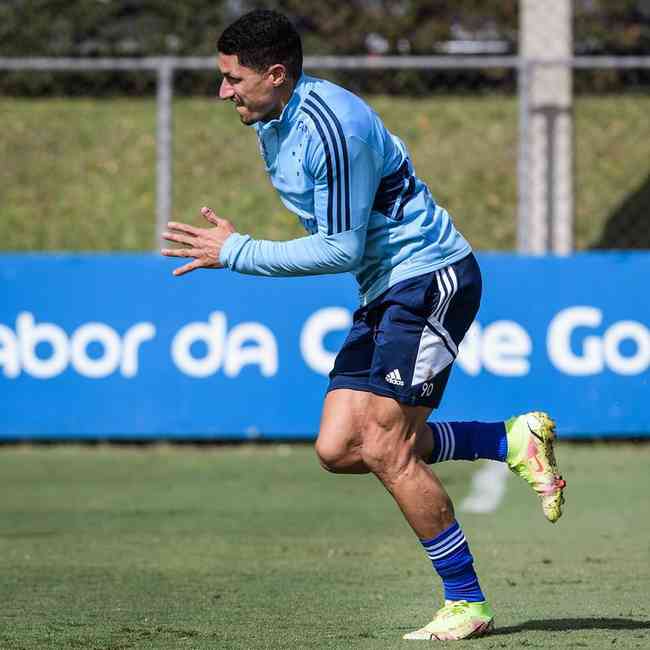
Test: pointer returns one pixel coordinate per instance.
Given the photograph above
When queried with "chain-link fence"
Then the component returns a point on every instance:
(612, 159)
(584, 162)
(527, 146)
(516, 164)
(463, 144)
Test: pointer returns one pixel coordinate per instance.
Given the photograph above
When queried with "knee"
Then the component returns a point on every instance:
(334, 455)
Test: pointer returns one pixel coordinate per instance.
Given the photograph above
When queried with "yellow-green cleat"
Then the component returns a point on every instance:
(531, 456)
(457, 620)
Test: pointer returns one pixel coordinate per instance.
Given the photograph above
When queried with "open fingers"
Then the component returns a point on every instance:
(188, 267)
(179, 237)
(210, 215)
(179, 252)
(183, 227)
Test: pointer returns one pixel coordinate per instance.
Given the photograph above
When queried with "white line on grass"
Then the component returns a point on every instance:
(487, 489)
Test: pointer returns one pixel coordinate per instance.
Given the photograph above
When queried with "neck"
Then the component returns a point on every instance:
(285, 93)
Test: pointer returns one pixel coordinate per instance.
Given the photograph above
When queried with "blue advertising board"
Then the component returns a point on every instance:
(113, 346)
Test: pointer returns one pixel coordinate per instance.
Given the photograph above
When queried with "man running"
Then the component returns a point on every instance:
(353, 187)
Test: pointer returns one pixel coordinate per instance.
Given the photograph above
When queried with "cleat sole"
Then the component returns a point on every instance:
(534, 459)
(483, 629)
(546, 433)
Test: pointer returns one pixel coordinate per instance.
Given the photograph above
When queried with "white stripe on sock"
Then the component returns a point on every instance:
(448, 550)
(452, 439)
(431, 545)
(440, 441)
(442, 545)
(446, 447)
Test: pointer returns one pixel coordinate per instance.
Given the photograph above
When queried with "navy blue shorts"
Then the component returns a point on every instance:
(403, 343)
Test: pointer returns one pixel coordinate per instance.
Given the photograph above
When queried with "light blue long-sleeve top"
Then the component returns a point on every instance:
(352, 184)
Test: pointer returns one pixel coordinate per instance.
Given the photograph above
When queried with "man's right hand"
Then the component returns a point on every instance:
(203, 244)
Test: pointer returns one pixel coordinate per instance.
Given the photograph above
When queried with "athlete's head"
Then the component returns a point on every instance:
(260, 58)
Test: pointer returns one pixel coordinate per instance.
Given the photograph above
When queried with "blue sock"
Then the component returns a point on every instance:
(468, 441)
(451, 558)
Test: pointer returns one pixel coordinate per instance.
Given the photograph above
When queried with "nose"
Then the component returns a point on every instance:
(225, 90)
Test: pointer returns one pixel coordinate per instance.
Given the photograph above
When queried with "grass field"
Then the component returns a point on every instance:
(79, 174)
(256, 547)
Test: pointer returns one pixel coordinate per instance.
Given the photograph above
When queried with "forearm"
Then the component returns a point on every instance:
(312, 255)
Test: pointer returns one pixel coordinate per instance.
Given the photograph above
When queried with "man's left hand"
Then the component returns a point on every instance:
(203, 244)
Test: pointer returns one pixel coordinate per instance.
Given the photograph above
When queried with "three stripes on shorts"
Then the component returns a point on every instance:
(437, 349)
(447, 288)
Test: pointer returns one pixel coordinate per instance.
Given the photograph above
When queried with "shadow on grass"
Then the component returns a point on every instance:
(568, 624)
(629, 224)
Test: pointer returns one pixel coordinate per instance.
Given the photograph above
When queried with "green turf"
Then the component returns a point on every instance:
(79, 174)
(258, 548)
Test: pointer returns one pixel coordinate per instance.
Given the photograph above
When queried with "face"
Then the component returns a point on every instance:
(257, 95)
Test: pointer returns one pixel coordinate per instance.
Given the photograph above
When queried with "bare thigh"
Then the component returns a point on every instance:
(339, 441)
(346, 414)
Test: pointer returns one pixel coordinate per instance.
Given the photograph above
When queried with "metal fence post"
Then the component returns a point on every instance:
(523, 93)
(546, 34)
(163, 148)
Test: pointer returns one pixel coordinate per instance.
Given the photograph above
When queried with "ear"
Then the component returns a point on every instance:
(277, 74)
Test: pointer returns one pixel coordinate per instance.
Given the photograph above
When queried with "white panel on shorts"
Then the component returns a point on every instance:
(434, 353)
(437, 349)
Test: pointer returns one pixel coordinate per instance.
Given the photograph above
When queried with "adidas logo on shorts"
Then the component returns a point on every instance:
(393, 377)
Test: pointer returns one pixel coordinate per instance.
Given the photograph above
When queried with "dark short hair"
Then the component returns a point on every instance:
(262, 38)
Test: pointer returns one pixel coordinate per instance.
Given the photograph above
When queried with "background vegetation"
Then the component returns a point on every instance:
(81, 173)
(78, 149)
